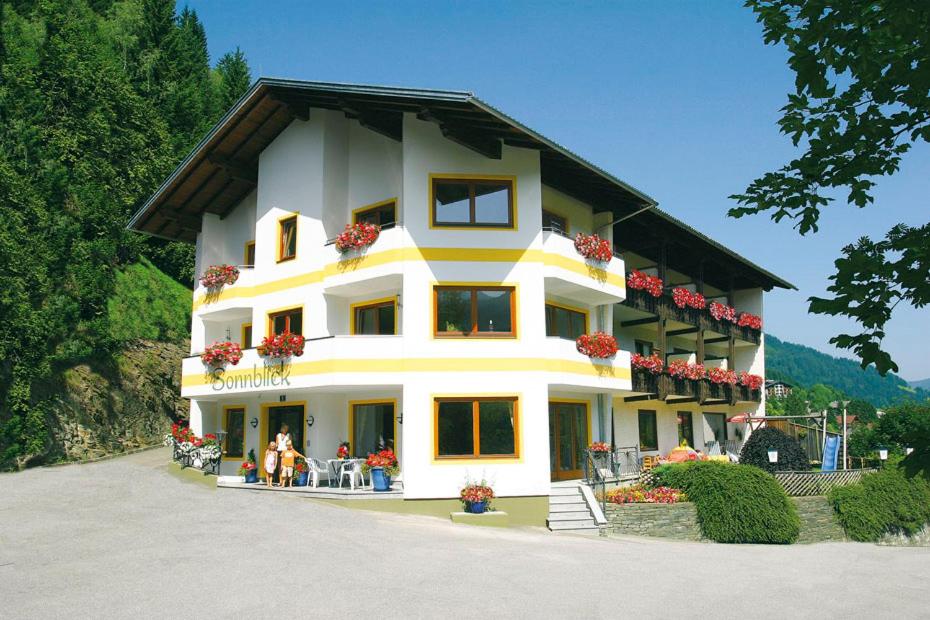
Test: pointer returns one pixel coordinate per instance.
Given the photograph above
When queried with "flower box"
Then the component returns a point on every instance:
(217, 276)
(597, 345)
(683, 298)
(357, 236)
(282, 346)
(219, 354)
(652, 364)
(593, 247)
(639, 281)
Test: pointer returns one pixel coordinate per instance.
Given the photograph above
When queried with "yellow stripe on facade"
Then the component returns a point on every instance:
(377, 259)
(441, 364)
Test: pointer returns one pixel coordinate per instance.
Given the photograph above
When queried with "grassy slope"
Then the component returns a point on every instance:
(149, 305)
(804, 366)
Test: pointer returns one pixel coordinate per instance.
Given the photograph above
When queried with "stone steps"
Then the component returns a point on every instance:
(568, 511)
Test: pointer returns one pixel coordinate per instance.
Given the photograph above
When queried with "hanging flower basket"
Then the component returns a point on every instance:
(219, 354)
(722, 312)
(749, 320)
(593, 247)
(637, 280)
(357, 236)
(721, 376)
(597, 345)
(652, 364)
(681, 369)
(753, 382)
(282, 346)
(685, 298)
(217, 276)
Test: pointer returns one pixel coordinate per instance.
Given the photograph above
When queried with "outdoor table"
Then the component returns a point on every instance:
(335, 466)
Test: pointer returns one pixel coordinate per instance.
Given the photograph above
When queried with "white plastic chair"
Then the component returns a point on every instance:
(317, 467)
(713, 448)
(352, 469)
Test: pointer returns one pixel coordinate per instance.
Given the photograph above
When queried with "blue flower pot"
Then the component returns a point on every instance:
(476, 507)
(251, 475)
(301, 479)
(380, 480)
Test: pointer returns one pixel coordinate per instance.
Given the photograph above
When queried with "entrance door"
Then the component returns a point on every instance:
(568, 438)
(293, 416)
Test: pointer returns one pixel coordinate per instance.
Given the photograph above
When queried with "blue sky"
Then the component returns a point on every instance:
(679, 99)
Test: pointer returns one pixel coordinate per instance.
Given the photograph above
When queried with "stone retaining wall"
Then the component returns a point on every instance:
(679, 521)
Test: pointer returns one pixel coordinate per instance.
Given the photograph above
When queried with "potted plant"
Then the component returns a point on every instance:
(216, 276)
(219, 354)
(249, 469)
(597, 345)
(357, 236)
(342, 452)
(593, 247)
(282, 346)
(382, 467)
(301, 471)
(476, 497)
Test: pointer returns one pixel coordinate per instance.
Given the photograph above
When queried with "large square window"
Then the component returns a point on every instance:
(476, 428)
(562, 322)
(473, 202)
(376, 318)
(291, 321)
(467, 310)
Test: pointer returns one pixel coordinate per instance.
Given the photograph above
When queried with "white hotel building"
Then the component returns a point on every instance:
(478, 214)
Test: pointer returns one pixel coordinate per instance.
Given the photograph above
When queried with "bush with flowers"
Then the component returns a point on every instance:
(475, 493)
(683, 370)
(749, 320)
(753, 382)
(722, 312)
(219, 354)
(217, 276)
(597, 345)
(342, 451)
(385, 459)
(283, 345)
(652, 364)
(248, 465)
(357, 236)
(599, 446)
(637, 280)
(639, 494)
(593, 247)
(683, 297)
(721, 375)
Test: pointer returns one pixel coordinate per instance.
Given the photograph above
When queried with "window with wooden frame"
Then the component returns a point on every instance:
(291, 321)
(246, 336)
(472, 202)
(476, 427)
(460, 311)
(249, 254)
(234, 442)
(642, 347)
(562, 322)
(383, 214)
(685, 428)
(648, 431)
(287, 238)
(377, 318)
(554, 222)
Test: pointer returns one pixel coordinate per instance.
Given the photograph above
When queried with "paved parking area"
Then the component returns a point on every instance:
(129, 537)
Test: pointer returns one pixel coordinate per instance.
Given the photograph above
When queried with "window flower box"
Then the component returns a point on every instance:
(722, 312)
(597, 345)
(751, 321)
(217, 276)
(639, 281)
(681, 369)
(357, 236)
(753, 382)
(219, 354)
(684, 298)
(282, 346)
(593, 247)
(721, 376)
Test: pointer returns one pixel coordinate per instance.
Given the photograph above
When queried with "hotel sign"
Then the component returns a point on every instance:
(264, 377)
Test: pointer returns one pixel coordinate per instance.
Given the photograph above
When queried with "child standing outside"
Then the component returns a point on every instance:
(271, 463)
(288, 456)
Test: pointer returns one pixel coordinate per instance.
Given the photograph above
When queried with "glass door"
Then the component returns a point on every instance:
(293, 416)
(568, 438)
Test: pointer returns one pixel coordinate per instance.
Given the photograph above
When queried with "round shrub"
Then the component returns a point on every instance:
(884, 502)
(756, 451)
(735, 503)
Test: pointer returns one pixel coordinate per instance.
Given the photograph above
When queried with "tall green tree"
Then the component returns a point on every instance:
(861, 101)
(234, 78)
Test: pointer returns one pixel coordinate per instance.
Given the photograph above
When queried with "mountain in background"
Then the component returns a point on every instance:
(804, 367)
(923, 383)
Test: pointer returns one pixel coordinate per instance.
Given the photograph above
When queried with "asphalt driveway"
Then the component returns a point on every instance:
(130, 537)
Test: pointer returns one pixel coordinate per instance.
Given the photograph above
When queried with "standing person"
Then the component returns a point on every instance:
(271, 462)
(288, 457)
(281, 440)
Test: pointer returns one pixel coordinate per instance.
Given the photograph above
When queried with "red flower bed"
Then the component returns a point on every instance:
(652, 364)
(721, 375)
(222, 353)
(683, 297)
(282, 345)
(182, 434)
(639, 281)
(599, 446)
(357, 236)
(722, 312)
(218, 275)
(597, 345)
(640, 495)
(749, 320)
(472, 493)
(593, 247)
(683, 370)
(753, 382)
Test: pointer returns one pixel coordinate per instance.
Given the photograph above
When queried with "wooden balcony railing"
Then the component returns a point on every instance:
(665, 307)
(645, 382)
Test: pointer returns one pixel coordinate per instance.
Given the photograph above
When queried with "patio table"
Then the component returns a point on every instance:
(335, 465)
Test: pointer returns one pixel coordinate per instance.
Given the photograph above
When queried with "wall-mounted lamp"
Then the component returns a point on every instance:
(254, 422)
(310, 421)
(773, 456)
(400, 417)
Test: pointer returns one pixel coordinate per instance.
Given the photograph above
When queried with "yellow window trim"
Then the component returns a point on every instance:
(371, 302)
(374, 205)
(514, 318)
(270, 323)
(296, 216)
(371, 401)
(473, 177)
(586, 313)
(484, 460)
(245, 254)
(246, 344)
(245, 412)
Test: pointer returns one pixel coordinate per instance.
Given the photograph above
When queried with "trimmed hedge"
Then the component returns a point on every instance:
(884, 502)
(735, 503)
(791, 456)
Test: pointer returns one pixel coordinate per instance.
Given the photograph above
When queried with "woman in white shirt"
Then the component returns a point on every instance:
(281, 440)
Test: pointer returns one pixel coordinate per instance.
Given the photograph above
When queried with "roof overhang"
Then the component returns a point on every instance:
(223, 168)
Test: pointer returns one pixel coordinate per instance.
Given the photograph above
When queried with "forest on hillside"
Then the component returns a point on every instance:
(805, 367)
(99, 100)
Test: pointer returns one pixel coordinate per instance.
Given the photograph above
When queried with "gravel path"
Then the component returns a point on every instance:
(132, 537)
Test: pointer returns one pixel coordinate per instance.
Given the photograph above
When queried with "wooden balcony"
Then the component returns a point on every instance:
(645, 382)
(745, 395)
(680, 388)
(717, 392)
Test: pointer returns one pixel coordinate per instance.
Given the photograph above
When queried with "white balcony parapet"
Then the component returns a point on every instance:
(570, 275)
